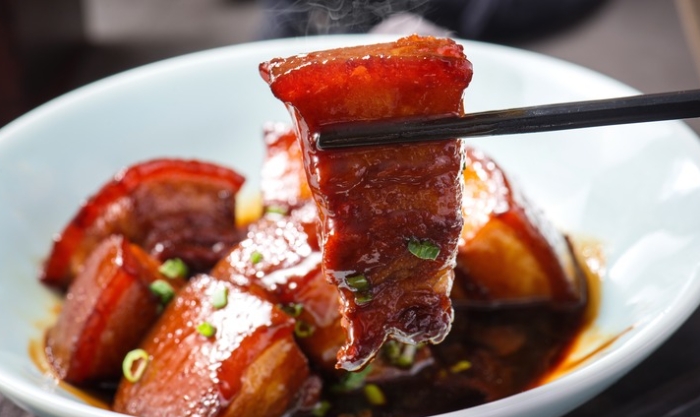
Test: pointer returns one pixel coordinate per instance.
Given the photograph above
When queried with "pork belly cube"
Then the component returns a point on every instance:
(284, 187)
(509, 252)
(283, 179)
(277, 257)
(172, 208)
(108, 310)
(217, 350)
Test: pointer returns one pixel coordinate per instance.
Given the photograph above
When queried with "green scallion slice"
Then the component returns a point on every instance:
(256, 257)
(303, 329)
(134, 364)
(391, 350)
(277, 210)
(174, 268)
(292, 309)
(206, 329)
(460, 366)
(357, 283)
(374, 394)
(321, 409)
(219, 299)
(423, 249)
(352, 380)
(363, 297)
(400, 354)
(163, 290)
(407, 357)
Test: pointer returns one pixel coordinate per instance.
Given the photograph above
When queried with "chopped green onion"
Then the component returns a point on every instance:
(292, 309)
(277, 210)
(352, 380)
(357, 283)
(400, 354)
(423, 250)
(392, 350)
(363, 298)
(174, 268)
(303, 329)
(134, 364)
(361, 287)
(256, 257)
(374, 395)
(219, 299)
(321, 408)
(163, 290)
(206, 329)
(407, 357)
(460, 366)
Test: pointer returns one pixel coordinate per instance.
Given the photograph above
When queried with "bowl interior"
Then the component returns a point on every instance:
(634, 189)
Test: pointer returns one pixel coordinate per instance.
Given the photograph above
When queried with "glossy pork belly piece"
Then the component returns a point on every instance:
(172, 208)
(508, 251)
(378, 206)
(283, 180)
(285, 189)
(248, 366)
(277, 257)
(107, 312)
(284, 186)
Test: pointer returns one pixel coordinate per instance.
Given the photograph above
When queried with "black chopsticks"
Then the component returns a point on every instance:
(563, 116)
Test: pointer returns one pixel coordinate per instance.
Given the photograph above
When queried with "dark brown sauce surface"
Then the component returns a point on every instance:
(508, 351)
(99, 398)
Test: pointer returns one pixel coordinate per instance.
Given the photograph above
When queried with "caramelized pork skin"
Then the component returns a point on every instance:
(508, 251)
(284, 245)
(250, 366)
(375, 202)
(172, 208)
(277, 257)
(108, 310)
(283, 180)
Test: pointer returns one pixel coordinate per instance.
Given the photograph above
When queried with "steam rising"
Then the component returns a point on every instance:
(316, 17)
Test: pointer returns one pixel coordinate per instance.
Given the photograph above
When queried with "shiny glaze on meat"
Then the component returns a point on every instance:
(508, 251)
(283, 180)
(372, 202)
(253, 364)
(286, 240)
(290, 271)
(250, 367)
(509, 347)
(108, 310)
(172, 208)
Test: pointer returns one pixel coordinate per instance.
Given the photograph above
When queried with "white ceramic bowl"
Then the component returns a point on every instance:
(636, 189)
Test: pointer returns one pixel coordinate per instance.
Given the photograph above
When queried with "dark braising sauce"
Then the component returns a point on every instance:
(492, 352)
(508, 350)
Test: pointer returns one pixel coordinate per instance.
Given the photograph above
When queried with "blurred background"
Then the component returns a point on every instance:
(48, 47)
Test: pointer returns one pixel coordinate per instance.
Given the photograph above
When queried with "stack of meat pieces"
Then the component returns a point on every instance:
(252, 323)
